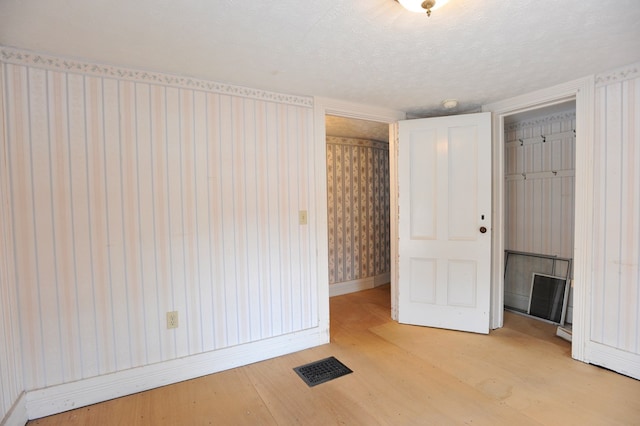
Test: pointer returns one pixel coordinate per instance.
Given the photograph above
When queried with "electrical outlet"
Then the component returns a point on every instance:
(172, 319)
(302, 216)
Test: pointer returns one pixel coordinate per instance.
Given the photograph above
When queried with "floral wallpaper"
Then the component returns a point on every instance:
(358, 208)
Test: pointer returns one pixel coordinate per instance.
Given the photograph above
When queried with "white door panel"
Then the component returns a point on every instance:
(444, 179)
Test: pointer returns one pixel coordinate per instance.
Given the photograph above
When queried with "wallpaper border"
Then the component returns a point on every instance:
(627, 72)
(567, 115)
(51, 62)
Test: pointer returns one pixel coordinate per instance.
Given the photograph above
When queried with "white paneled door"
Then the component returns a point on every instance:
(444, 180)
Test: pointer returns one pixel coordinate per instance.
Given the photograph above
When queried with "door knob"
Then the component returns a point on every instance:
(483, 229)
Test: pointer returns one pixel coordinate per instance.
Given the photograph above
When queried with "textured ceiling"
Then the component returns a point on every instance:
(367, 51)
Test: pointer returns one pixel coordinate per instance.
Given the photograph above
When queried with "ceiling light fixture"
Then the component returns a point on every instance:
(420, 6)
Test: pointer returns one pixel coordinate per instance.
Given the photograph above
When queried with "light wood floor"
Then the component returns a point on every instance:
(403, 375)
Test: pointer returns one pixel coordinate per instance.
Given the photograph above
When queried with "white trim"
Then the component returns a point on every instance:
(17, 415)
(582, 91)
(68, 396)
(346, 287)
(394, 217)
(354, 110)
(322, 107)
(41, 60)
(381, 279)
(614, 359)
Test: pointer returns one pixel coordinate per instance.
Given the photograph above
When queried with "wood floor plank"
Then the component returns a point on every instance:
(402, 375)
(534, 375)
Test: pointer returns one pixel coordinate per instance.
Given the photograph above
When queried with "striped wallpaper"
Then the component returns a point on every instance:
(615, 296)
(126, 194)
(129, 199)
(11, 378)
(358, 208)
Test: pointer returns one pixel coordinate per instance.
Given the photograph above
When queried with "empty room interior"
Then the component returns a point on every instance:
(391, 212)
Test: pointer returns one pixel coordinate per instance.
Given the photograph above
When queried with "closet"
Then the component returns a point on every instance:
(539, 212)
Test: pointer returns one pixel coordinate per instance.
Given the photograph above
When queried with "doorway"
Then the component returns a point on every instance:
(580, 91)
(358, 215)
(539, 211)
(333, 107)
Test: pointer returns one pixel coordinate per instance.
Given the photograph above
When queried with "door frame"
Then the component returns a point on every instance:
(321, 108)
(583, 92)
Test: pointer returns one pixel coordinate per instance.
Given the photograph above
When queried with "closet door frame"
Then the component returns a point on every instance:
(583, 92)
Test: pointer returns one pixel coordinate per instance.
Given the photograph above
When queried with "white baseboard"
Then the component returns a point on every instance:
(69, 396)
(564, 333)
(623, 362)
(382, 279)
(347, 287)
(17, 415)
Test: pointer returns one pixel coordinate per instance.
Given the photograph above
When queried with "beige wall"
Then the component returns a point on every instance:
(131, 194)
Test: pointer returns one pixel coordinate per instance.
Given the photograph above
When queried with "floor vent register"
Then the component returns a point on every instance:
(322, 371)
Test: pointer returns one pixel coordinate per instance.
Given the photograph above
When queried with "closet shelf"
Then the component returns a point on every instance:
(540, 175)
